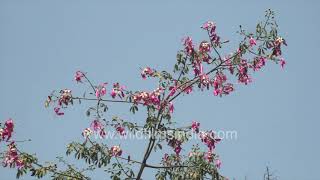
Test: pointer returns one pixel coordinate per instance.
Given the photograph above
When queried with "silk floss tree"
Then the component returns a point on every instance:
(198, 67)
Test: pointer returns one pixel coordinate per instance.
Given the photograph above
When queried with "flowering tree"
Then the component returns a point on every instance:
(199, 67)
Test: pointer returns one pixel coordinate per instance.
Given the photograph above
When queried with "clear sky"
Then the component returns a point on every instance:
(42, 44)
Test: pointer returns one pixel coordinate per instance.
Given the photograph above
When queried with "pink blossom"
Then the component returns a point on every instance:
(208, 25)
(117, 90)
(11, 157)
(209, 139)
(219, 87)
(282, 63)
(204, 79)
(98, 128)
(65, 97)
(146, 72)
(177, 150)
(197, 68)
(148, 98)
(243, 76)
(218, 163)
(204, 47)
(195, 126)
(211, 28)
(102, 133)
(187, 89)
(7, 131)
(121, 130)
(258, 63)
(171, 107)
(229, 64)
(79, 75)
(188, 45)
(58, 112)
(209, 156)
(116, 151)
(176, 145)
(96, 125)
(101, 90)
(252, 42)
(227, 88)
(173, 90)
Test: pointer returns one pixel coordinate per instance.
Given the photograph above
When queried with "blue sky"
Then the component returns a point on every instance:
(42, 44)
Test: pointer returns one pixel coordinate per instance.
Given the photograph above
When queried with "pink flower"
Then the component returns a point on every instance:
(57, 111)
(188, 45)
(204, 79)
(209, 156)
(195, 126)
(79, 75)
(176, 145)
(229, 64)
(197, 68)
(173, 90)
(121, 130)
(227, 88)
(146, 72)
(208, 25)
(171, 107)
(117, 90)
(96, 125)
(65, 97)
(211, 28)
(243, 76)
(187, 89)
(177, 150)
(218, 163)
(102, 133)
(98, 128)
(204, 47)
(116, 151)
(101, 90)
(209, 139)
(11, 157)
(252, 42)
(7, 131)
(282, 63)
(258, 63)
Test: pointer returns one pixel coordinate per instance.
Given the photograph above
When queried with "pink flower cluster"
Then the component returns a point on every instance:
(63, 100)
(101, 90)
(98, 128)
(148, 98)
(220, 87)
(188, 45)
(65, 97)
(6, 132)
(95, 127)
(116, 151)
(120, 130)
(204, 47)
(176, 145)
(78, 76)
(258, 63)
(243, 76)
(276, 46)
(195, 126)
(209, 139)
(211, 28)
(12, 158)
(146, 72)
(117, 90)
(252, 42)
